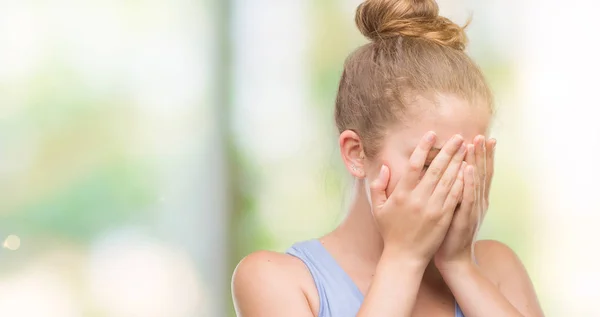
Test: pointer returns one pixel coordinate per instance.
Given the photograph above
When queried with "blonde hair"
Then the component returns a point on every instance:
(413, 53)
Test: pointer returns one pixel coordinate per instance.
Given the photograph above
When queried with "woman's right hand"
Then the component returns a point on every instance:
(414, 219)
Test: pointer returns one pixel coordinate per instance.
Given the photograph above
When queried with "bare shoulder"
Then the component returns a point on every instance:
(496, 259)
(500, 264)
(267, 283)
(268, 266)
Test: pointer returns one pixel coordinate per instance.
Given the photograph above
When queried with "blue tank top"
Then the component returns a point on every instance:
(338, 295)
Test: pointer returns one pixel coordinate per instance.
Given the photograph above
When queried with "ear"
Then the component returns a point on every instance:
(353, 153)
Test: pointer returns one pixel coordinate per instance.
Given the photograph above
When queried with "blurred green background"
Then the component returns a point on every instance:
(147, 146)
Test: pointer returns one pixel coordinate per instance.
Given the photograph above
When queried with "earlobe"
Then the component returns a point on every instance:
(357, 165)
(352, 153)
(357, 172)
(360, 171)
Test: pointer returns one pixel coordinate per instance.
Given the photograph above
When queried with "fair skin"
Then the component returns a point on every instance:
(408, 247)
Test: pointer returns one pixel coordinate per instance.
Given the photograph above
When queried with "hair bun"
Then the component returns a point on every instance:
(381, 19)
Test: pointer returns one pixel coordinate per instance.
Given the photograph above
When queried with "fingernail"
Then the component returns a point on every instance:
(458, 139)
(430, 136)
(381, 171)
(463, 149)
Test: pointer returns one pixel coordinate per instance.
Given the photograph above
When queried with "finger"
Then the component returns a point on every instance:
(471, 158)
(439, 165)
(471, 161)
(468, 195)
(378, 187)
(444, 186)
(457, 190)
(489, 164)
(417, 161)
(480, 157)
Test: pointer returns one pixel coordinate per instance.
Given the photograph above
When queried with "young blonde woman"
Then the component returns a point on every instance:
(413, 112)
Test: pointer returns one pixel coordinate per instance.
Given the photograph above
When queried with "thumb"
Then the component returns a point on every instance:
(378, 187)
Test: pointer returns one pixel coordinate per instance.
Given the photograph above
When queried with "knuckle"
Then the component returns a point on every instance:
(462, 227)
(414, 166)
(398, 198)
(446, 182)
(435, 171)
(468, 201)
(486, 204)
(455, 195)
(434, 214)
(415, 204)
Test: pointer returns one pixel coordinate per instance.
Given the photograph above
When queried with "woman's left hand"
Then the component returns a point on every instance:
(457, 247)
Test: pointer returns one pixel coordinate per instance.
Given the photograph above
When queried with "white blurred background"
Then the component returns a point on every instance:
(146, 146)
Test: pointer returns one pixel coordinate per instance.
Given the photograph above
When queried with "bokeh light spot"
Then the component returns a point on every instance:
(12, 242)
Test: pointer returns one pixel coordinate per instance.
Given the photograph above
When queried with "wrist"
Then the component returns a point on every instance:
(403, 260)
(456, 268)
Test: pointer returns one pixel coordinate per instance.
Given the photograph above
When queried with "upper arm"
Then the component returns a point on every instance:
(504, 268)
(264, 285)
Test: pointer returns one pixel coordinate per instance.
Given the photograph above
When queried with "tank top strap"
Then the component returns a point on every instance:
(457, 311)
(338, 295)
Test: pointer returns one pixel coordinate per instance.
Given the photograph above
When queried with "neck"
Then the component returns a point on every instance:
(358, 237)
